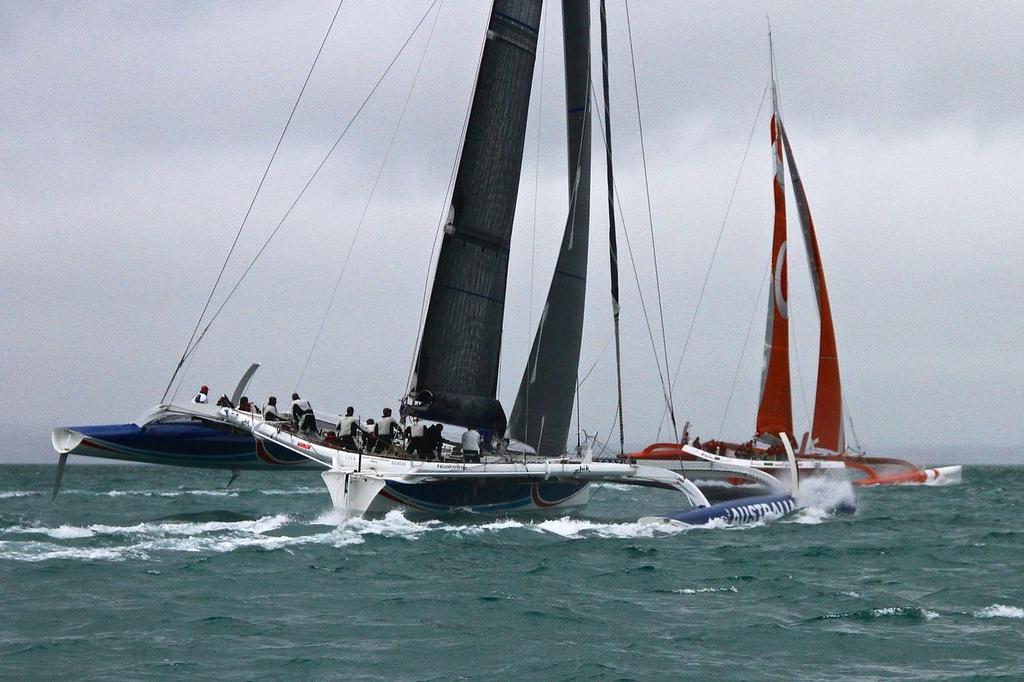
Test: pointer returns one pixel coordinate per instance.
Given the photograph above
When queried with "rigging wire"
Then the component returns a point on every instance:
(743, 350)
(579, 442)
(536, 192)
(252, 202)
(594, 365)
(650, 222)
(445, 208)
(369, 200)
(853, 431)
(309, 182)
(714, 253)
(636, 273)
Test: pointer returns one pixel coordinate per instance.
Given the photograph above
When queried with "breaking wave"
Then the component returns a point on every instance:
(704, 590)
(201, 492)
(17, 493)
(140, 541)
(999, 611)
(909, 613)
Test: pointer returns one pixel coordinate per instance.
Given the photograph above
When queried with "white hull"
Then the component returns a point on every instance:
(361, 483)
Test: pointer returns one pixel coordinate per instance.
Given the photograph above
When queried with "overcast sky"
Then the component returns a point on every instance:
(134, 135)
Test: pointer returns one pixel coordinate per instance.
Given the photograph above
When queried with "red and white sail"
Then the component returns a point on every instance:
(775, 411)
(827, 429)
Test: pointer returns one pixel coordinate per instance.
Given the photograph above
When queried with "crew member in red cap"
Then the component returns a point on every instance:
(201, 397)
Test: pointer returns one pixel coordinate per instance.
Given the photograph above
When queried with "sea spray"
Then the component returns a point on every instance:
(821, 497)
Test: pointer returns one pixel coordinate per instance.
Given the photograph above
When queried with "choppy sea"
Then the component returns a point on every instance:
(160, 573)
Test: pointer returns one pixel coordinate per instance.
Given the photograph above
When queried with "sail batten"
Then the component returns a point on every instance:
(542, 412)
(775, 409)
(827, 429)
(456, 372)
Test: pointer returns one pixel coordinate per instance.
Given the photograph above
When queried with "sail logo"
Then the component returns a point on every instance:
(779, 283)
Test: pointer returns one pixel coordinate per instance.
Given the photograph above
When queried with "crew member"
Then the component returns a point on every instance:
(369, 430)
(347, 427)
(415, 432)
(270, 413)
(385, 430)
(303, 415)
(203, 396)
(432, 440)
(471, 445)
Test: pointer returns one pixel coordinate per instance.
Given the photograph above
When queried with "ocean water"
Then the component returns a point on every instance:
(159, 573)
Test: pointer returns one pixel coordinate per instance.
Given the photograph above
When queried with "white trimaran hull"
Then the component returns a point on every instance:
(360, 483)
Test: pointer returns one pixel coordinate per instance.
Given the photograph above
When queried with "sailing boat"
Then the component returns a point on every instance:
(456, 369)
(824, 447)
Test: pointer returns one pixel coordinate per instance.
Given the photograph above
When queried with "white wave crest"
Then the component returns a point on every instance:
(66, 532)
(395, 524)
(901, 611)
(568, 527)
(302, 490)
(263, 524)
(45, 551)
(168, 493)
(1000, 611)
(147, 538)
(60, 533)
(17, 493)
(703, 590)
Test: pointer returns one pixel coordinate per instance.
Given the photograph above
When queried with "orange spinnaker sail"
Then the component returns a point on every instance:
(775, 411)
(828, 400)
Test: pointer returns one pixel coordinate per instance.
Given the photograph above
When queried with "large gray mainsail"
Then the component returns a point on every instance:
(456, 375)
(542, 412)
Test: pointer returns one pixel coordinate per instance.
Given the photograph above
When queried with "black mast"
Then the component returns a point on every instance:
(613, 249)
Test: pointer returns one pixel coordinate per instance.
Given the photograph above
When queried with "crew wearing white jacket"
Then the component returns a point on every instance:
(347, 427)
(386, 428)
(303, 415)
(471, 445)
